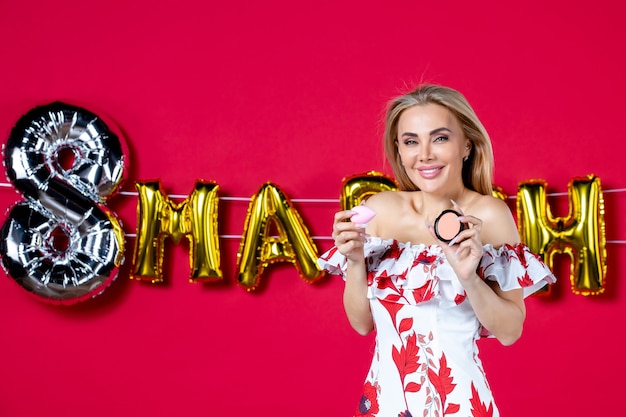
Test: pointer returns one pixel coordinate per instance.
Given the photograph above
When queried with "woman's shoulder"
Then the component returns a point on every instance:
(490, 206)
(498, 223)
(384, 196)
(389, 206)
(388, 199)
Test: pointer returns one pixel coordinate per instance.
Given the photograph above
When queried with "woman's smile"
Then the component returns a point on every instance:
(428, 172)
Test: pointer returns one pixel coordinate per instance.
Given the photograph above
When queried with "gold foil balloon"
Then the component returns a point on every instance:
(580, 235)
(357, 188)
(258, 248)
(498, 192)
(195, 218)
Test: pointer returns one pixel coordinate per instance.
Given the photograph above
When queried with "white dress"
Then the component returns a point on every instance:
(426, 358)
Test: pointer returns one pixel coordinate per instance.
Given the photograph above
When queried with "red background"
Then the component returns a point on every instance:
(293, 92)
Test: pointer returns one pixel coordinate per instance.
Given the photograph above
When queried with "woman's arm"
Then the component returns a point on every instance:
(355, 301)
(501, 312)
(349, 240)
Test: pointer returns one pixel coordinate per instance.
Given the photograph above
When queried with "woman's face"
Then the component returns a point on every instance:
(432, 146)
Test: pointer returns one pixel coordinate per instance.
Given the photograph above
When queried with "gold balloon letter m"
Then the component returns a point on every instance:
(159, 218)
(580, 235)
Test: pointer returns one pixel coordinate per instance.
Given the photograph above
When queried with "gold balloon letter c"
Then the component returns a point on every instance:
(357, 188)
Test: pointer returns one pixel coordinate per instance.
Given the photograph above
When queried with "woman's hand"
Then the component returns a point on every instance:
(465, 251)
(349, 237)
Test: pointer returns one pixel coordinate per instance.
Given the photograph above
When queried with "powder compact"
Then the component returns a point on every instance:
(448, 226)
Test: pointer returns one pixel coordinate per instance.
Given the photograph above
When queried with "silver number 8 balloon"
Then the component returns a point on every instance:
(61, 243)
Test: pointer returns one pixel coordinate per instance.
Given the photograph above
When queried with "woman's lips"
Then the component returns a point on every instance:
(430, 172)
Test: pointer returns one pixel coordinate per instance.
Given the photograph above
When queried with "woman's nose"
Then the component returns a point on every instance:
(424, 152)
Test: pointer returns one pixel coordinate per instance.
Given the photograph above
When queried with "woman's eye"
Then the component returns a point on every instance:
(410, 142)
(441, 138)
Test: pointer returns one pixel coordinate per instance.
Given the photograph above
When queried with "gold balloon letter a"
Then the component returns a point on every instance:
(580, 235)
(259, 249)
(195, 218)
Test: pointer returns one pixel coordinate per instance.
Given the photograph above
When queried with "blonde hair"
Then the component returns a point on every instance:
(477, 171)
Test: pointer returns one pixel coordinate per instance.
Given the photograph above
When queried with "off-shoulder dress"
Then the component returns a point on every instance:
(426, 361)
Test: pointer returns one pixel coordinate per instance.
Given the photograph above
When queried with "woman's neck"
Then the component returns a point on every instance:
(435, 203)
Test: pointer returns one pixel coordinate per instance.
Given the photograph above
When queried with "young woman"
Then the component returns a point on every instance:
(430, 300)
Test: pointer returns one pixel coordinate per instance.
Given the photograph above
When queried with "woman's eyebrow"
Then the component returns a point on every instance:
(439, 130)
(431, 133)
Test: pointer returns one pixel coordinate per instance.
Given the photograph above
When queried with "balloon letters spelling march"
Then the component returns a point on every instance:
(63, 245)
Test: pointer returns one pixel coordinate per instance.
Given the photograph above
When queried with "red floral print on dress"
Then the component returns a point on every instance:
(459, 298)
(407, 357)
(368, 406)
(392, 309)
(393, 252)
(425, 292)
(384, 282)
(329, 254)
(525, 280)
(479, 408)
(442, 382)
(424, 259)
